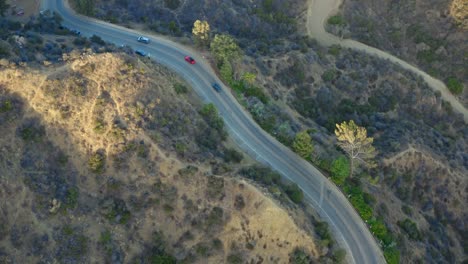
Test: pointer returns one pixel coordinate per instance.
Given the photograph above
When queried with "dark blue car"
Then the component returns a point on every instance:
(217, 87)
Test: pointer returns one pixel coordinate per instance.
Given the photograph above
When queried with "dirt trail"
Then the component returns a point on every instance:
(317, 13)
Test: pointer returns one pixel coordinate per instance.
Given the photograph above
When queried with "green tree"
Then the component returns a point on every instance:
(354, 141)
(302, 144)
(224, 47)
(3, 7)
(340, 170)
(226, 72)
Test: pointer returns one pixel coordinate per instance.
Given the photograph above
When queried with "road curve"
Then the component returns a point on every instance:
(348, 228)
(317, 13)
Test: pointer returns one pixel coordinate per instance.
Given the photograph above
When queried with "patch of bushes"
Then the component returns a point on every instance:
(172, 4)
(392, 255)
(73, 245)
(298, 256)
(454, 85)
(322, 230)
(329, 75)
(232, 155)
(6, 105)
(336, 20)
(410, 228)
(188, 171)
(235, 259)
(98, 40)
(340, 170)
(211, 116)
(71, 198)
(99, 126)
(158, 254)
(115, 210)
(97, 162)
(268, 177)
(180, 88)
(32, 133)
(294, 192)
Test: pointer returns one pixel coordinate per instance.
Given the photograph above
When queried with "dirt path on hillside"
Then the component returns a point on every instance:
(317, 13)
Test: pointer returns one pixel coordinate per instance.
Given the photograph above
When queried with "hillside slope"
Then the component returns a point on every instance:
(94, 168)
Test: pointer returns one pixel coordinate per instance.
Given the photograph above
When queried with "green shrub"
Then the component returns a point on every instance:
(363, 209)
(32, 133)
(407, 210)
(235, 259)
(378, 228)
(261, 174)
(99, 126)
(454, 85)
(410, 228)
(163, 259)
(392, 255)
(71, 199)
(299, 257)
(340, 170)
(6, 106)
(232, 155)
(321, 228)
(334, 50)
(294, 193)
(427, 56)
(188, 171)
(211, 116)
(98, 40)
(329, 75)
(339, 255)
(172, 4)
(180, 88)
(97, 162)
(336, 20)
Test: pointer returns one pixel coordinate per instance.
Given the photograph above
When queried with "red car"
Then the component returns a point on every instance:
(190, 60)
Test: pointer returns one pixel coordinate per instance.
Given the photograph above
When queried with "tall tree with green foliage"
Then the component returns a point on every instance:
(354, 141)
(3, 7)
(302, 144)
(224, 47)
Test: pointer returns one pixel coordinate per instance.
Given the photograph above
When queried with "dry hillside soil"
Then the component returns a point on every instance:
(83, 180)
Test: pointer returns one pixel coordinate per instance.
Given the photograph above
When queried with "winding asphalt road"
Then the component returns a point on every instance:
(348, 228)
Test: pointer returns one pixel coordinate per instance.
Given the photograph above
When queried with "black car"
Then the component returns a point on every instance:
(141, 53)
(217, 87)
(76, 32)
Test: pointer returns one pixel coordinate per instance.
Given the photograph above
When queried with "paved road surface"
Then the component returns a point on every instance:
(317, 14)
(328, 201)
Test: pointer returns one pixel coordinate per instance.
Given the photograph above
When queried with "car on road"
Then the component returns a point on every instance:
(141, 53)
(76, 32)
(217, 87)
(143, 40)
(190, 60)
